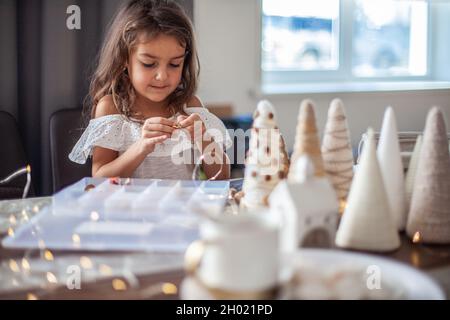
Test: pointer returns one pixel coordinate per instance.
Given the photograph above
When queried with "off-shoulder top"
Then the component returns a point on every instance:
(175, 158)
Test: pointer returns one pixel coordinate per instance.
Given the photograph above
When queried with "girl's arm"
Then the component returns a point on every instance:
(107, 163)
(220, 160)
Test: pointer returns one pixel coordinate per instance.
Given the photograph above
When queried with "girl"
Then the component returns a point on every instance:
(147, 122)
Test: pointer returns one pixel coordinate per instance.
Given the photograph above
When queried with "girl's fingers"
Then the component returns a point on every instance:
(160, 120)
(158, 139)
(187, 121)
(151, 142)
(152, 134)
(190, 120)
(181, 118)
(158, 127)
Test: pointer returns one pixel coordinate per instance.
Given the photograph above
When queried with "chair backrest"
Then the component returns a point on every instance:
(12, 157)
(65, 130)
(406, 139)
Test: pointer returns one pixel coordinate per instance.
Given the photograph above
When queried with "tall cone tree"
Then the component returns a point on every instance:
(307, 139)
(267, 161)
(367, 222)
(429, 216)
(391, 166)
(337, 150)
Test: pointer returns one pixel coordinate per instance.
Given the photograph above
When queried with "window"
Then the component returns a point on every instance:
(389, 38)
(344, 40)
(300, 35)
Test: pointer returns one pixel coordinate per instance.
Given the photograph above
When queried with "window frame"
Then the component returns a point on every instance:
(343, 74)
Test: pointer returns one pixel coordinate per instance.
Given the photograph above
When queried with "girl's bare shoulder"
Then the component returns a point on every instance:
(195, 101)
(105, 107)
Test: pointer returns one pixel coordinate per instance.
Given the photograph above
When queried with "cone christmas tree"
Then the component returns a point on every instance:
(267, 161)
(307, 139)
(337, 150)
(412, 169)
(284, 159)
(391, 166)
(430, 206)
(367, 223)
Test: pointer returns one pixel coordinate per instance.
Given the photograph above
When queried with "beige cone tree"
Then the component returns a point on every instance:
(307, 139)
(337, 150)
(429, 215)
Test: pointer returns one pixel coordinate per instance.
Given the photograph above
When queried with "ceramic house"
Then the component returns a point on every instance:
(307, 209)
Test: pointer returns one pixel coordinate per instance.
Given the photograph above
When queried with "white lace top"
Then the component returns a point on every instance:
(175, 158)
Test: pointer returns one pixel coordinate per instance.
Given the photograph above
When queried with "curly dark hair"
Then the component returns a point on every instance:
(151, 18)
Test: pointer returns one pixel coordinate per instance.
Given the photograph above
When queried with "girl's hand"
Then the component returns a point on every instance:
(192, 125)
(154, 131)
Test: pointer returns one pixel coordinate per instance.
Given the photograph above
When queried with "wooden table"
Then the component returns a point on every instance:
(434, 260)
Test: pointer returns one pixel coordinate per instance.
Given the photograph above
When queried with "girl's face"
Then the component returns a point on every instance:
(155, 67)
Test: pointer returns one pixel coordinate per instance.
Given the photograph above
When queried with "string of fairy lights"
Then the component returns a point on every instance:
(41, 271)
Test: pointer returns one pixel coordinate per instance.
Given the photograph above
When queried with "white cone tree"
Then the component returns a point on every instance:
(367, 222)
(412, 170)
(391, 166)
(267, 161)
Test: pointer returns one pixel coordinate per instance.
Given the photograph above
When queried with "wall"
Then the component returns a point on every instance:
(44, 67)
(228, 48)
(440, 39)
(8, 57)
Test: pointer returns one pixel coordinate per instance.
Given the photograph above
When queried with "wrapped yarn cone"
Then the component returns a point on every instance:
(337, 150)
(367, 222)
(307, 138)
(284, 159)
(412, 169)
(429, 214)
(390, 160)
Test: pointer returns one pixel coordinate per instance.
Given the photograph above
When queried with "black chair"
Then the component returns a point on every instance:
(243, 122)
(66, 128)
(12, 157)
